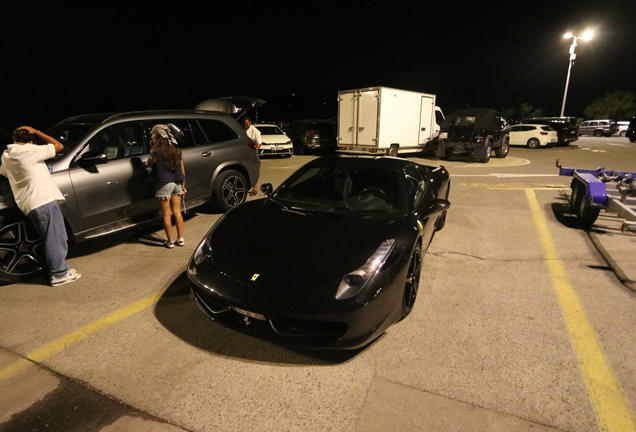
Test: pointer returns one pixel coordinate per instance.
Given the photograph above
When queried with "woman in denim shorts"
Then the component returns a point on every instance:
(169, 174)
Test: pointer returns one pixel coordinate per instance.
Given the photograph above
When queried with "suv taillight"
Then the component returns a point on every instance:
(310, 132)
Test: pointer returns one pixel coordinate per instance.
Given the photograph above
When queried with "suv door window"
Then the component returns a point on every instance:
(181, 129)
(217, 131)
(119, 141)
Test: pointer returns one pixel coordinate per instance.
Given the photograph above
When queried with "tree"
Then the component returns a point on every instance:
(619, 105)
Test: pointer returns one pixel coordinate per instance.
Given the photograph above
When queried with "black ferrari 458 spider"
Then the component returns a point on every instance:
(330, 259)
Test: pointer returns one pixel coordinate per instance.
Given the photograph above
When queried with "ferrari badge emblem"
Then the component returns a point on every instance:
(256, 275)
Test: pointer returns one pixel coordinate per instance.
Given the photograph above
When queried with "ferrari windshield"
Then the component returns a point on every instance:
(342, 188)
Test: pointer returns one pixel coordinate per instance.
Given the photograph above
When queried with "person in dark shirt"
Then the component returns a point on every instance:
(169, 175)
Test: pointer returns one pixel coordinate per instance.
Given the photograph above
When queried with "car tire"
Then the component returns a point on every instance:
(579, 204)
(623, 133)
(487, 152)
(598, 133)
(298, 148)
(393, 150)
(502, 151)
(412, 283)
(534, 143)
(230, 190)
(447, 154)
(21, 249)
(633, 137)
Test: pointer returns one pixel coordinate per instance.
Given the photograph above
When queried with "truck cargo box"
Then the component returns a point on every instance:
(384, 120)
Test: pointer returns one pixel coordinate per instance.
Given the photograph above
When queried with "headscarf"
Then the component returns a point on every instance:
(164, 132)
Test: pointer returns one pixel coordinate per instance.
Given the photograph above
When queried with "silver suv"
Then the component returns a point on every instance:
(598, 128)
(102, 172)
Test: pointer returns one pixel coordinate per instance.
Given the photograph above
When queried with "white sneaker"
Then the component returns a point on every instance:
(180, 242)
(71, 276)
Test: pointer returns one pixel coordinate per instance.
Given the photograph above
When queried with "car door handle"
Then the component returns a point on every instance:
(207, 153)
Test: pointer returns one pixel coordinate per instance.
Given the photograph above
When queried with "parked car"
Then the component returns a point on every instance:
(476, 132)
(340, 260)
(312, 136)
(533, 136)
(622, 127)
(566, 127)
(102, 172)
(598, 128)
(275, 141)
(631, 130)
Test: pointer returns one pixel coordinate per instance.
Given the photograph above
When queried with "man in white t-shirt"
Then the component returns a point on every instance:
(37, 195)
(255, 135)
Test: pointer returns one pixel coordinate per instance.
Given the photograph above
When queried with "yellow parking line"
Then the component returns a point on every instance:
(603, 389)
(46, 351)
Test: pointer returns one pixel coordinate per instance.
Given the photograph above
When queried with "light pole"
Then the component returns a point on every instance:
(586, 36)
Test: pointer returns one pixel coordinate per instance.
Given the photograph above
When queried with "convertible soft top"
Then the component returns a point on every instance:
(484, 118)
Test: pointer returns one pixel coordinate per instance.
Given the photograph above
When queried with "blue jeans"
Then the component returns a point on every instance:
(49, 223)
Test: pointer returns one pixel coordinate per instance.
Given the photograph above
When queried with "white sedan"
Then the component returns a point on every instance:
(533, 136)
(275, 141)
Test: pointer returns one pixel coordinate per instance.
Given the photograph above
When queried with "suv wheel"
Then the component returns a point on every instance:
(230, 190)
(21, 249)
(487, 152)
(598, 133)
(502, 151)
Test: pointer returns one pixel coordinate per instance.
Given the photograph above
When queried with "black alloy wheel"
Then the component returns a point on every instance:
(412, 284)
(21, 251)
(230, 190)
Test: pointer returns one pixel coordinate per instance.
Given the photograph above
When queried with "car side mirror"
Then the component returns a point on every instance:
(267, 189)
(95, 157)
(438, 206)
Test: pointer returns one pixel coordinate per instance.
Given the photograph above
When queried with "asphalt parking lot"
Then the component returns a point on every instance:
(520, 324)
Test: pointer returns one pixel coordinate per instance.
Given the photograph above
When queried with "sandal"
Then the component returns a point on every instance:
(168, 244)
(253, 192)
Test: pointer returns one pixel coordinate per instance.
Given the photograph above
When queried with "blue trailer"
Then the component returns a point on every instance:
(597, 189)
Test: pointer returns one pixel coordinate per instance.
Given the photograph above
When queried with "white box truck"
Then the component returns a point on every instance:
(383, 120)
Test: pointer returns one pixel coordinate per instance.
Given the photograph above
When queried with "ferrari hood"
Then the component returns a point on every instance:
(261, 243)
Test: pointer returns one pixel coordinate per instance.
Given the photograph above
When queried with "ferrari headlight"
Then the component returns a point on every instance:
(202, 252)
(353, 282)
(205, 249)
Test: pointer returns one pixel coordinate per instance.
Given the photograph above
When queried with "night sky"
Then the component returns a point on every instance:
(60, 61)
